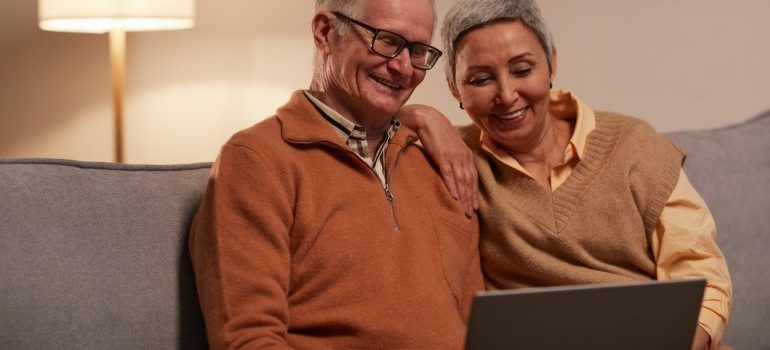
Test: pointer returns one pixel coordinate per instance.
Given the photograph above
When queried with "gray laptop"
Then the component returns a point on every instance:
(659, 315)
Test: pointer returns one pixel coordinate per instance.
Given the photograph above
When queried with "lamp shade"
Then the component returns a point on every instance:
(100, 16)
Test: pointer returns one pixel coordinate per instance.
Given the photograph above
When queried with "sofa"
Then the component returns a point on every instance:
(94, 255)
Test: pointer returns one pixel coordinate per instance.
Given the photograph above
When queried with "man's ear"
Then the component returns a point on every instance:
(321, 26)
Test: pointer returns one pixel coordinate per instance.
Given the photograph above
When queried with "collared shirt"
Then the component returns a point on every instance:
(685, 227)
(354, 136)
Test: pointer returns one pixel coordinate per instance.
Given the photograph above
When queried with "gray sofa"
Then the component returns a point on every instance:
(94, 255)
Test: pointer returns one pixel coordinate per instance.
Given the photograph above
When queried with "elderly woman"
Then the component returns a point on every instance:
(568, 195)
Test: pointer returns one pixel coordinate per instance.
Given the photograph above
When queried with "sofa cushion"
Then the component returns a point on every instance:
(730, 167)
(94, 255)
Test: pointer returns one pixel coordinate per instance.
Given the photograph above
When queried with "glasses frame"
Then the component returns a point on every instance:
(404, 43)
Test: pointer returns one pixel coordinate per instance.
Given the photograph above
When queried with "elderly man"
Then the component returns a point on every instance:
(325, 226)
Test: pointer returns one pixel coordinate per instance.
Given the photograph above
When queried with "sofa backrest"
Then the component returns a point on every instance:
(94, 255)
(730, 168)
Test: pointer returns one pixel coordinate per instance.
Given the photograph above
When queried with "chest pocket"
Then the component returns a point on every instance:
(453, 234)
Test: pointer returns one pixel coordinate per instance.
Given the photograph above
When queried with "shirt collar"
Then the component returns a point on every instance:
(349, 128)
(565, 105)
(343, 126)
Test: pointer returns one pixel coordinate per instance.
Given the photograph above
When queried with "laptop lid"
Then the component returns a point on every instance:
(659, 315)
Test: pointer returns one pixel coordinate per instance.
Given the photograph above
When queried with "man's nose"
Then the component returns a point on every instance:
(402, 62)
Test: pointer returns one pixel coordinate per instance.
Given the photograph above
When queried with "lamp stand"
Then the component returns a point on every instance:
(118, 74)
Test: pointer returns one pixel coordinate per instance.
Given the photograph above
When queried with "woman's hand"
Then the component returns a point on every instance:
(702, 340)
(447, 149)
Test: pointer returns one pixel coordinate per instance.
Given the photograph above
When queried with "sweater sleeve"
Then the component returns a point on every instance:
(684, 244)
(240, 251)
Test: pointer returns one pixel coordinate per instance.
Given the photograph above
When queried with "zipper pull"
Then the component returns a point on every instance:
(389, 198)
(388, 194)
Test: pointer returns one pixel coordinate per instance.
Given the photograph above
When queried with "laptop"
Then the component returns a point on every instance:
(659, 315)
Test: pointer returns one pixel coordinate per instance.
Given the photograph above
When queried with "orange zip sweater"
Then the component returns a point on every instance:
(296, 246)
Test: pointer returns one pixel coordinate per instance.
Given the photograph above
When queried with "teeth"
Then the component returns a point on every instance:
(514, 115)
(387, 83)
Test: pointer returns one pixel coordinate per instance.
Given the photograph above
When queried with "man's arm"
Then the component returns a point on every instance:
(239, 246)
(447, 149)
(684, 244)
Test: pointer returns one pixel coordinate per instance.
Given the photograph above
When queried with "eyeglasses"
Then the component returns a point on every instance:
(388, 44)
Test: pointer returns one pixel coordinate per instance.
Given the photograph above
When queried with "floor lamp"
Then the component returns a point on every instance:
(115, 17)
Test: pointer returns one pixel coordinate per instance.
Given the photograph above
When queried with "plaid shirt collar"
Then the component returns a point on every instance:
(353, 134)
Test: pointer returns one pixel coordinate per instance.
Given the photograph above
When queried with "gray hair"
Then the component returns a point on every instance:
(348, 7)
(467, 15)
(353, 8)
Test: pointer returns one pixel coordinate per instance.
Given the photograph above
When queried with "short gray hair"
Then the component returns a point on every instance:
(349, 8)
(353, 8)
(467, 15)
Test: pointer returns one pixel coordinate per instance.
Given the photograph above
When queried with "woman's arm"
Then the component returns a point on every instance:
(448, 151)
(684, 245)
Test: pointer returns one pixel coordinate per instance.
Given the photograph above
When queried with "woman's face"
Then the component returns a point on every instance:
(502, 80)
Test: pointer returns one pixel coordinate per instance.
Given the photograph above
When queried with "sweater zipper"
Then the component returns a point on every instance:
(389, 198)
(386, 187)
(388, 176)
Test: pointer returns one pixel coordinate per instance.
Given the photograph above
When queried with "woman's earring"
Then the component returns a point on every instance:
(550, 85)
(461, 106)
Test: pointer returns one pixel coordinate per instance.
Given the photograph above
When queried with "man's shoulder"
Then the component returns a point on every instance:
(417, 168)
(263, 135)
(258, 147)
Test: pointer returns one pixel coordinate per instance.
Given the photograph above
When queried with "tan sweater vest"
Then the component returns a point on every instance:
(595, 228)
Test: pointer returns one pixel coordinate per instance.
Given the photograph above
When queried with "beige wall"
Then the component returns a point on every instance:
(681, 64)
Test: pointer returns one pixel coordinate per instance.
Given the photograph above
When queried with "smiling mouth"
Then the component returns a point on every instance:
(389, 84)
(512, 116)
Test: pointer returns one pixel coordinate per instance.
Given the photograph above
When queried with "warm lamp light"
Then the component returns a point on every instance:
(115, 17)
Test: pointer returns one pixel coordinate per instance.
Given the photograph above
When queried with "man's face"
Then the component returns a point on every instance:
(365, 86)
